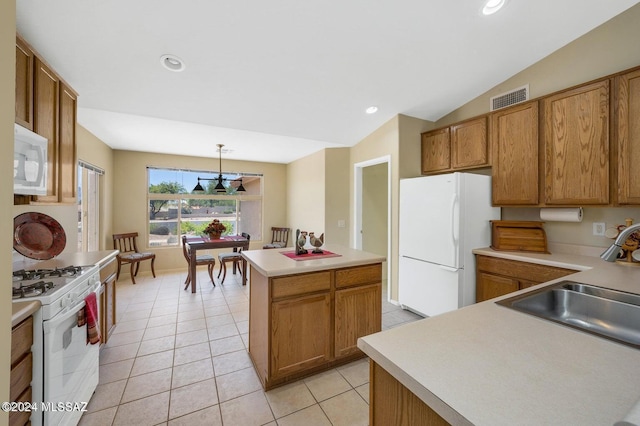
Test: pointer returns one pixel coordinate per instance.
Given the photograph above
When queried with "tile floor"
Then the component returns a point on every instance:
(177, 358)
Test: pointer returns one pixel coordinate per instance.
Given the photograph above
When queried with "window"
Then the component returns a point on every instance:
(175, 211)
(88, 207)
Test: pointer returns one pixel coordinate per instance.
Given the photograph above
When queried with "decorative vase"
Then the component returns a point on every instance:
(214, 235)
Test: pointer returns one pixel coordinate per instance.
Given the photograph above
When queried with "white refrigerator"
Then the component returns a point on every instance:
(442, 218)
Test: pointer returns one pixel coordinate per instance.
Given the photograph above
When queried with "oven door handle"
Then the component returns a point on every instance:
(62, 317)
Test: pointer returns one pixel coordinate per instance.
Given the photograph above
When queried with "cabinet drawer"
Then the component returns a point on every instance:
(359, 275)
(20, 418)
(522, 270)
(107, 270)
(300, 284)
(21, 340)
(21, 377)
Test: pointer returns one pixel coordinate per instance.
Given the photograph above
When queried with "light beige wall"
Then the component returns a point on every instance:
(130, 209)
(306, 194)
(337, 192)
(7, 117)
(607, 49)
(382, 142)
(410, 149)
(610, 48)
(93, 151)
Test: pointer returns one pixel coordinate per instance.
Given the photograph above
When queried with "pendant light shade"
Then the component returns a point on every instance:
(220, 188)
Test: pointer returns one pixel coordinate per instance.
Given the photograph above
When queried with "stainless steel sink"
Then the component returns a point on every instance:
(601, 311)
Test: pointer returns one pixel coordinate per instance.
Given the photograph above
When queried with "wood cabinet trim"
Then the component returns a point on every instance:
(436, 151)
(24, 83)
(577, 174)
(496, 277)
(358, 275)
(470, 146)
(520, 269)
(293, 285)
(627, 136)
(21, 340)
(515, 146)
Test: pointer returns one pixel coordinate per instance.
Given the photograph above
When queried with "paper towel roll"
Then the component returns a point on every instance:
(573, 214)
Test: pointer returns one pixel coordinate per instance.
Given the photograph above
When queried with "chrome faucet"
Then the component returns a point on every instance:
(612, 252)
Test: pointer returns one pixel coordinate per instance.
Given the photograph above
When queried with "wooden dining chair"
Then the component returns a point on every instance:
(128, 247)
(234, 257)
(279, 238)
(201, 260)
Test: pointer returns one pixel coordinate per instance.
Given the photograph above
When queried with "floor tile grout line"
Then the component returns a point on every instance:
(230, 298)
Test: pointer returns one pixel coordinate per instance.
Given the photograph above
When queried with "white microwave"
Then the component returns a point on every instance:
(29, 162)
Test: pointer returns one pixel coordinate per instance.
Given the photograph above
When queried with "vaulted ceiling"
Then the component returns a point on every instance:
(275, 81)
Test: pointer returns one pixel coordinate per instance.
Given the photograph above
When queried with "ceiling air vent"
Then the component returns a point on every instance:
(513, 97)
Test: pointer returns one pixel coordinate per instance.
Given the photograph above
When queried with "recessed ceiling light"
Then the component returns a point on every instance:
(172, 63)
(492, 6)
(371, 110)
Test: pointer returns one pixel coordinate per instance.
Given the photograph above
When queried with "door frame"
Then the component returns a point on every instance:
(357, 216)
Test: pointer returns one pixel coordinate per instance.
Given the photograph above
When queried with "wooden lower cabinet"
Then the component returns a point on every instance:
(301, 324)
(358, 313)
(301, 333)
(107, 299)
(391, 403)
(497, 277)
(21, 369)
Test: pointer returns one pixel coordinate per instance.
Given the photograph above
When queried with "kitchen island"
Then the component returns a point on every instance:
(307, 315)
(486, 364)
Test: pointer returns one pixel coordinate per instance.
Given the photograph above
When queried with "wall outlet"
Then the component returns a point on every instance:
(598, 229)
(341, 223)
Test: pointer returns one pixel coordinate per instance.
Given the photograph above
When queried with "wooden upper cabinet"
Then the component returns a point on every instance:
(469, 144)
(48, 106)
(67, 145)
(576, 140)
(436, 151)
(458, 147)
(628, 133)
(46, 92)
(514, 139)
(24, 84)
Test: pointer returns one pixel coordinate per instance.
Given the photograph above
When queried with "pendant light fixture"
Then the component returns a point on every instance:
(198, 189)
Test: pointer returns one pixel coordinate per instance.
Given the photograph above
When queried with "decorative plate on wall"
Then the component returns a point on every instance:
(38, 236)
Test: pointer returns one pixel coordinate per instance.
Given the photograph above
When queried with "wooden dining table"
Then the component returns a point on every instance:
(206, 243)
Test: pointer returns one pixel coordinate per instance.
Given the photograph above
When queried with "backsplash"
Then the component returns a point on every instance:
(577, 233)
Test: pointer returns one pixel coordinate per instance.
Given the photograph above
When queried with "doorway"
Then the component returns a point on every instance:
(372, 213)
(88, 207)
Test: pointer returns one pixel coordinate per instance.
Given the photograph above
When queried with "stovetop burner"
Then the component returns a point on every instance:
(38, 274)
(33, 289)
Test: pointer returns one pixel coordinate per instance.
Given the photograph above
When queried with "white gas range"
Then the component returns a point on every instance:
(65, 364)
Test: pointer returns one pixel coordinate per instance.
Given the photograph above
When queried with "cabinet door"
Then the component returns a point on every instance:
(107, 309)
(300, 334)
(436, 151)
(490, 286)
(628, 132)
(514, 139)
(67, 146)
(576, 141)
(46, 122)
(24, 84)
(469, 146)
(358, 313)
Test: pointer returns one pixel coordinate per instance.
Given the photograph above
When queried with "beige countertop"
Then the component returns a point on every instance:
(23, 310)
(486, 364)
(272, 262)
